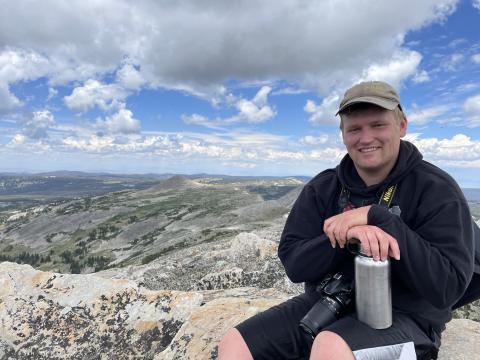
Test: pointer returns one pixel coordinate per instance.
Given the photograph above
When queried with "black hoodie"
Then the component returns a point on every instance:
(434, 233)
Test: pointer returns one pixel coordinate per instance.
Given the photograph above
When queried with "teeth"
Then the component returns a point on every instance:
(372, 148)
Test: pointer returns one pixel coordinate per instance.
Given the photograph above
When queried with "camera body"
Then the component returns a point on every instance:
(336, 295)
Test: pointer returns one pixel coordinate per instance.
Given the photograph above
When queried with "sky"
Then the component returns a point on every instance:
(229, 87)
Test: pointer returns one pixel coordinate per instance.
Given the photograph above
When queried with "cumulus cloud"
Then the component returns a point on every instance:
(122, 122)
(130, 77)
(325, 112)
(243, 40)
(395, 70)
(254, 111)
(460, 150)
(476, 58)
(402, 65)
(21, 64)
(37, 125)
(94, 93)
(17, 65)
(476, 4)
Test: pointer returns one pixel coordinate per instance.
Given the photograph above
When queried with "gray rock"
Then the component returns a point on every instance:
(55, 316)
(460, 341)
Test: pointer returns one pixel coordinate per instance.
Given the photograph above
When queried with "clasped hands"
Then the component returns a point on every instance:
(354, 224)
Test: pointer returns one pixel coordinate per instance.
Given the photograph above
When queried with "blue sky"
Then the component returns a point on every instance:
(241, 88)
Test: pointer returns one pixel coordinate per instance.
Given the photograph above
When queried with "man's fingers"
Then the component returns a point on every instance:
(394, 249)
(374, 247)
(384, 249)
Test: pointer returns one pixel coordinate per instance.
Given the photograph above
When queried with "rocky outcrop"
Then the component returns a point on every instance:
(248, 259)
(177, 307)
(461, 341)
(57, 316)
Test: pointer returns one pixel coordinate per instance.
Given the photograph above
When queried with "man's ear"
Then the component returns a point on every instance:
(403, 126)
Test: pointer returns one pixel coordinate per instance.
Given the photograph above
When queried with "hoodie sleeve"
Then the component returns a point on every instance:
(304, 250)
(436, 258)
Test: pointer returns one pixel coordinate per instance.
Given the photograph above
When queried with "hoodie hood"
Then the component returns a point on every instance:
(408, 158)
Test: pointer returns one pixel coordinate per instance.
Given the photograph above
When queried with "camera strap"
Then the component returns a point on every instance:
(387, 196)
(385, 199)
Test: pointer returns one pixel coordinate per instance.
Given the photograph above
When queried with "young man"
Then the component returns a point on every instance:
(426, 230)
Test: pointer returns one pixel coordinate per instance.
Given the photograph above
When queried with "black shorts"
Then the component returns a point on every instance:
(275, 334)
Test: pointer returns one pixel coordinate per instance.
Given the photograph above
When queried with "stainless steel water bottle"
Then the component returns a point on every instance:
(373, 294)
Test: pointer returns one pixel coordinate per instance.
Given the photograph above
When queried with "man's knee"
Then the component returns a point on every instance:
(328, 345)
(232, 346)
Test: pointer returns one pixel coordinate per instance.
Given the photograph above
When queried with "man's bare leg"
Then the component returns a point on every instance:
(330, 346)
(233, 347)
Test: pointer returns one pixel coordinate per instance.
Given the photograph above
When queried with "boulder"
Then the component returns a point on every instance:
(57, 316)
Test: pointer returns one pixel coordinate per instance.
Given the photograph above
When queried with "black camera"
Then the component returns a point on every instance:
(336, 294)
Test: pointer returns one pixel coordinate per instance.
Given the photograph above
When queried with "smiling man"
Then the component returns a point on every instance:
(425, 227)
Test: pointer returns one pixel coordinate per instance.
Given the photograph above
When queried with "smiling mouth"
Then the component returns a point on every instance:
(369, 149)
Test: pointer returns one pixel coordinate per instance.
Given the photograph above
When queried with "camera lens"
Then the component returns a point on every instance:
(323, 313)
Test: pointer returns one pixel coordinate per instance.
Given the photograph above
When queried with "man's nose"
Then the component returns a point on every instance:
(366, 136)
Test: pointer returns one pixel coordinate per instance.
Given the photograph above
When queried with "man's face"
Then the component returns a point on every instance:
(372, 137)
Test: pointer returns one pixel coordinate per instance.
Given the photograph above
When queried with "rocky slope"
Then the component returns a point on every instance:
(134, 227)
(192, 259)
(110, 316)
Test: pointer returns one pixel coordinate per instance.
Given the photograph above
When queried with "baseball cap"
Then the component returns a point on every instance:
(374, 92)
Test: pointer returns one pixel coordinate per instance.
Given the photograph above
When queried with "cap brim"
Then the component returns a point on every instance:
(384, 103)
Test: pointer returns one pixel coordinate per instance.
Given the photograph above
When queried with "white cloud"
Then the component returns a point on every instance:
(476, 57)
(457, 42)
(460, 150)
(94, 93)
(402, 65)
(253, 111)
(289, 91)
(471, 106)
(93, 144)
(130, 78)
(315, 140)
(466, 87)
(331, 155)
(420, 116)
(421, 77)
(36, 126)
(17, 140)
(21, 64)
(198, 119)
(476, 4)
(161, 39)
(8, 101)
(17, 65)
(52, 92)
(121, 122)
(325, 112)
(452, 61)
(256, 110)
